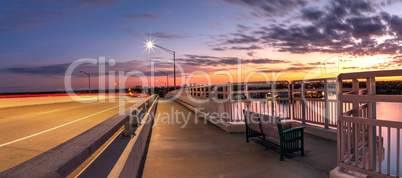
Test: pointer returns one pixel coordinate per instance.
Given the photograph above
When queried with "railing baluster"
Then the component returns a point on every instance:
(371, 150)
(389, 150)
(348, 144)
(356, 153)
(261, 108)
(379, 149)
(364, 145)
(397, 150)
(338, 135)
(342, 141)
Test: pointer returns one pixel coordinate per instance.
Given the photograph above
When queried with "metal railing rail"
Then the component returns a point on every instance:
(62, 160)
(363, 141)
(310, 101)
(226, 101)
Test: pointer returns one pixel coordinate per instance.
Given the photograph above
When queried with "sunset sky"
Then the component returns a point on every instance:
(40, 39)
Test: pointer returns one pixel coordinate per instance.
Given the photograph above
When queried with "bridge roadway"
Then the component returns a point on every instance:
(28, 131)
(199, 149)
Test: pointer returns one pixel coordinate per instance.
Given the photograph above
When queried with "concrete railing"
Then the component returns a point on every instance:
(62, 160)
(226, 101)
(312, 101)
(365, 144)
(274, 98)
(129, 162)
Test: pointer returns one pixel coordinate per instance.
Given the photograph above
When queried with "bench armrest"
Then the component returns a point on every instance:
(294, 129)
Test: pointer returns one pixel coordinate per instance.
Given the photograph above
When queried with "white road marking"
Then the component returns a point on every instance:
(47, 112)
(33, 135)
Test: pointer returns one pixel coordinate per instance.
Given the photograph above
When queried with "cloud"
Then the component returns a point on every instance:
(60, 69)
(397, 57)
(57, 69)
(251, 53)
(351, 27)
(236, 39)
(252, 47)
(27, 14)
(219, 49)
(395, 23)
(289, 69)
(198, 60)
(298, 64)
(166, 36)
(241, 39)
(314, 63)
(146, 15)
(269, 8)
(312, 14)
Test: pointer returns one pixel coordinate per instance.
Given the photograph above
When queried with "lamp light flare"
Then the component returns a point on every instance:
(149, 44)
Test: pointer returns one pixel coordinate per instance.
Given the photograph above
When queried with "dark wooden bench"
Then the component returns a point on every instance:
(290, 139)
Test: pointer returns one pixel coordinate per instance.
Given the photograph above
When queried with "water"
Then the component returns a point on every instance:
(390, 112)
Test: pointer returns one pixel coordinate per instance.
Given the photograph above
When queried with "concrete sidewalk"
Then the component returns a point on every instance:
(199, 149)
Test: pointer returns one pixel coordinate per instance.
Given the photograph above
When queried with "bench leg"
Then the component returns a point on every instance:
(281, 152)
(247, 134)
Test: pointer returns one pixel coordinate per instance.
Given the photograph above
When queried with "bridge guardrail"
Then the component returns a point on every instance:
(62, 160)
(366, 144)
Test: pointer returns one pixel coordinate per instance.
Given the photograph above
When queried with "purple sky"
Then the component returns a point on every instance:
(40, 39)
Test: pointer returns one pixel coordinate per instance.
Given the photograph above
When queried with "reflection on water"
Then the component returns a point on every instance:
(391, 112)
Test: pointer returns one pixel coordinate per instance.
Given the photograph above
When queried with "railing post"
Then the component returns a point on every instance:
(356, 113)
(128, 127)
(290, 99)
(132, 121)
(355, 91)
(135, 118)
(228, 105)
(371, 111)
(303, 104)
(326, 103)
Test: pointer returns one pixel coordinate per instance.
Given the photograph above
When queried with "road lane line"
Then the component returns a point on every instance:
(33, 135)
(47, 112)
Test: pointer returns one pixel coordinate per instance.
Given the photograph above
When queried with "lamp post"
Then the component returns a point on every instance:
(167, 80)
(89, 80)
(150, 44)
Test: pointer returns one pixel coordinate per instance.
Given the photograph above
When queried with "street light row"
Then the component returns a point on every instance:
(150, 45)
(89, 80)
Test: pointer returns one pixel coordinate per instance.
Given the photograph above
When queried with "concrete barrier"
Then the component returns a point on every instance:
(128, 165)
(227, 127)
(65, 158)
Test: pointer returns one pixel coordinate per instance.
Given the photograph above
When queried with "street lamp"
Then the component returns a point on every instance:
(89, 80)
(167, 79)
(151, 44)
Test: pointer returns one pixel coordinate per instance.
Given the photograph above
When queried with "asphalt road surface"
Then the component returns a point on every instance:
(26, 132)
